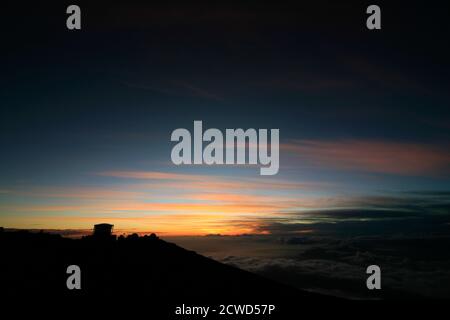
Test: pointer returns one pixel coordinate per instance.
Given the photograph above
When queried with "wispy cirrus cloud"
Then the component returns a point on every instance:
(372, 156)
(202, 204)
(215, 183)
(140, 199)
(152, 175)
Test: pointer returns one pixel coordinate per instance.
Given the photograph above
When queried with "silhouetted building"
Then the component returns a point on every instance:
(103, 230)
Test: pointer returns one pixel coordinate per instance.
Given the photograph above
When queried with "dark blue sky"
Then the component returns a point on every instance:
(360, 112)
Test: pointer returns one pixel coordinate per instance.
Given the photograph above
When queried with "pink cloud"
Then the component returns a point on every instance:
(372, 156)
(151, 175)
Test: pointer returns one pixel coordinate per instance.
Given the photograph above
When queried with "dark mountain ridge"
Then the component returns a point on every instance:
(133, 265)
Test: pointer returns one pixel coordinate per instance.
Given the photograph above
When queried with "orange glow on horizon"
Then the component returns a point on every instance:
(160, 202)
(171, 225)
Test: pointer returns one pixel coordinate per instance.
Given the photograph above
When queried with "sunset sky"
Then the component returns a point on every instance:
(86, 116)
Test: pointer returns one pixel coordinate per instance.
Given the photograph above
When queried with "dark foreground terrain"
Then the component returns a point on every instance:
(133, 268)
(154, 276)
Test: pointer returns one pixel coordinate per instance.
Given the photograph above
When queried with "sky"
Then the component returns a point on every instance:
(86, 117)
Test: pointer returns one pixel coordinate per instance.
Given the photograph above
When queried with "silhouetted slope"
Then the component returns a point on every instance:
(134, 266)
(146, 275)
